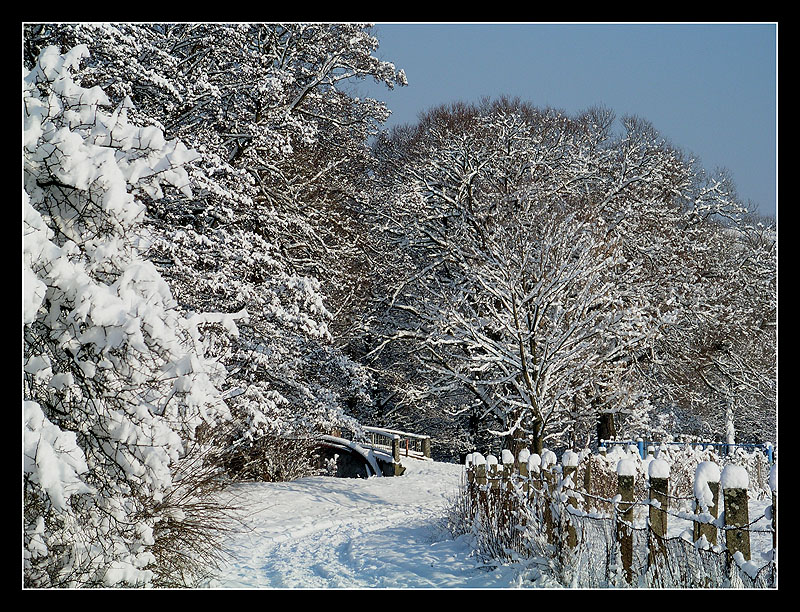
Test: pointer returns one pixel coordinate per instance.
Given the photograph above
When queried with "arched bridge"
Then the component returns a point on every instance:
(379, 453)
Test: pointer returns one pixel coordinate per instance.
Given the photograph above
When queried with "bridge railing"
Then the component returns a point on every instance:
(401, 443)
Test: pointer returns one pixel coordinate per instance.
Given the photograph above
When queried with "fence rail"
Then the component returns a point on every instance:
(401, 443)
(642, 446)
(600, 527)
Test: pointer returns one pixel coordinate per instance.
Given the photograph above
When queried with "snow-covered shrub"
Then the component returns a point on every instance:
(115, 382)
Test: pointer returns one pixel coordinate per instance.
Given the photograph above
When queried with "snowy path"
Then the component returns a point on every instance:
(323, 533)
(326, 532)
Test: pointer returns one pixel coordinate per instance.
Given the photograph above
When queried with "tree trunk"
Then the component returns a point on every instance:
(606, 429)
(536, 438)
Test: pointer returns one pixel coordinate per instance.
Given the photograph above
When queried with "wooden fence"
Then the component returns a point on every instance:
(605, 525)
(724, 448)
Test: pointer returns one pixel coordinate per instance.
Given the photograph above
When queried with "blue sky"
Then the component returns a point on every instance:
(709, 89)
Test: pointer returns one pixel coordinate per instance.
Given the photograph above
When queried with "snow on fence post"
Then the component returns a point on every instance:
(569, 464)
(522, 457)
(396, 448)
(735, 482)
(706, 493)
(548, 460)
(626, 472)
(658, 471)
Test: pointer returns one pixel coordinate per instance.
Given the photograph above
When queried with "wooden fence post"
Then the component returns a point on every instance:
(626, 473)
(469, 467)
(524, 479)
(534, 472)
(524, 473)
(773, 485)
(774, 521)
(706, 492)
(426, 447)
(480, 470)
(569, 468)
(506, 498)
(587, 473)
(479, 461)
(658, 471)
(735, 482)
(548, 487)
(494, 508)
(507, 458)
(396, 448)
(492, 472)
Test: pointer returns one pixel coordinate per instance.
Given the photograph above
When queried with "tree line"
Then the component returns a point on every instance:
(224, 255)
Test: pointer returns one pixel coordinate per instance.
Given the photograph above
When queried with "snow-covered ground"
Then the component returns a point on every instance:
(325, 532)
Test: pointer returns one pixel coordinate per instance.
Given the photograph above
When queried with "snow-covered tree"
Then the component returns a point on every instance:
(716, 363)
(711, 274)
(413, 272)
(283, 148)
(537, 325)
(116, 387)
(510, 287)
(479, 193)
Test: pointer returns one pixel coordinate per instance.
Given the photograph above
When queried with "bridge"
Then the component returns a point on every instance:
(379, 453)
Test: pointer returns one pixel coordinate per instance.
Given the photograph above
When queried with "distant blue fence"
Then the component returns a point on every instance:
(724, 448)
